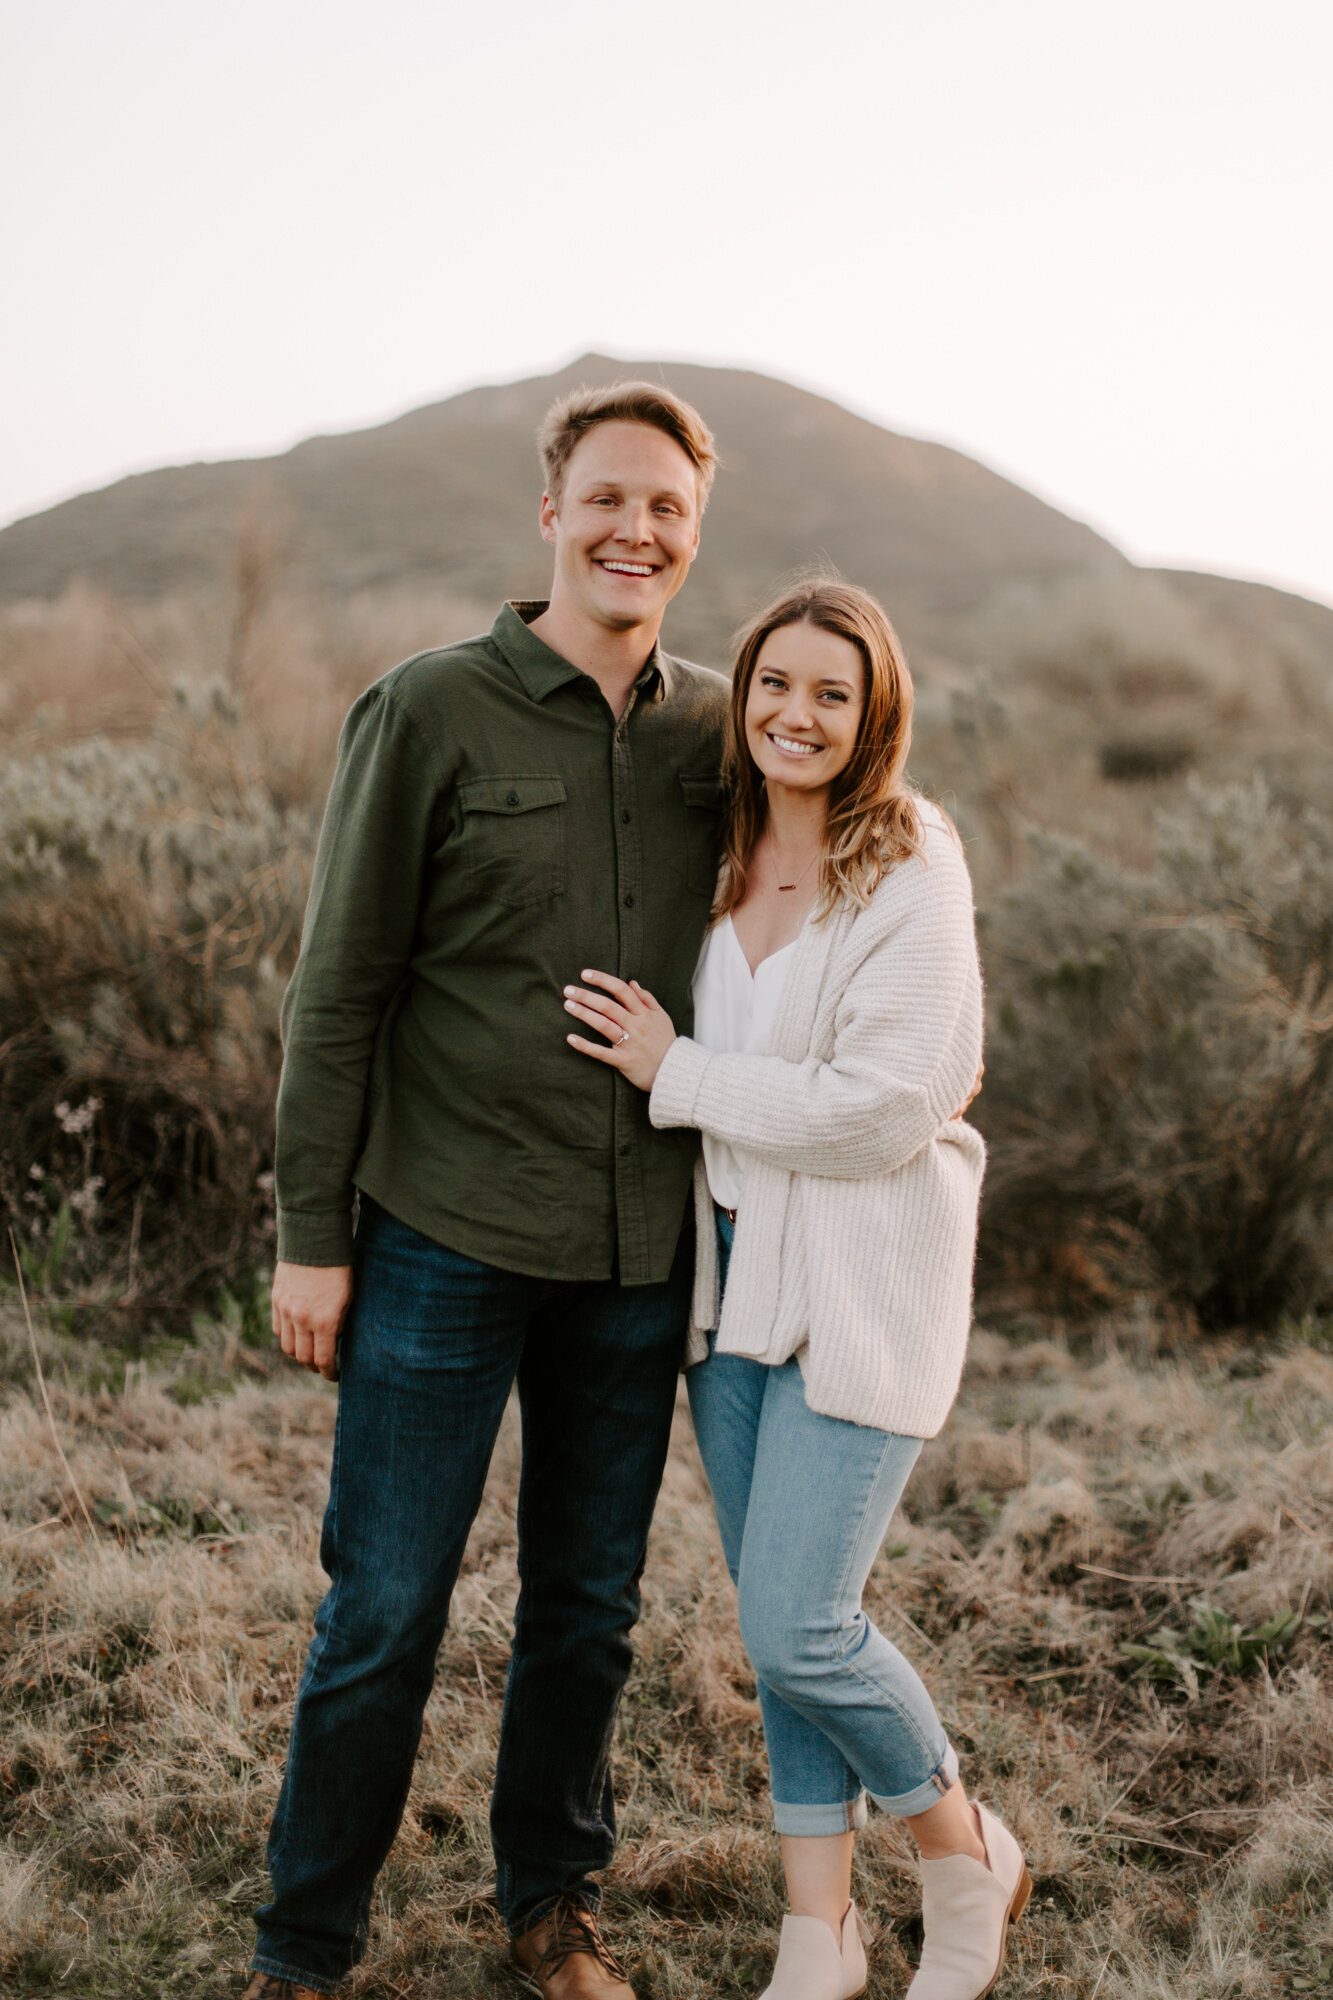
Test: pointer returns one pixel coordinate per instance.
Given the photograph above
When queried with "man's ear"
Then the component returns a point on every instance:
(547, 517)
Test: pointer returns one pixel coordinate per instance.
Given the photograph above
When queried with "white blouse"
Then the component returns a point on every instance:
(734, 1011)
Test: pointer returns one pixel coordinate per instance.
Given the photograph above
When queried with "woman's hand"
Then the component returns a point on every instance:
(972, 1094)
(638, 1030)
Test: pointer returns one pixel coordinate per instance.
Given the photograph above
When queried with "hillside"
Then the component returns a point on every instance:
(976, 570)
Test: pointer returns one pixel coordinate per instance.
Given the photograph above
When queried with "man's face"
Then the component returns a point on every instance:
(627, 526)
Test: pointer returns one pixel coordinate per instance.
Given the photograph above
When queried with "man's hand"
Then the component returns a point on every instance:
(310, 1302)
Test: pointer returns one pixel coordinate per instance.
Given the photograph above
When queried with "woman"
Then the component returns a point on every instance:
(838, 1019)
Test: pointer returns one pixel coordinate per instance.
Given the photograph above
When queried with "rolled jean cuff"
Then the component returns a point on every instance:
(842, 1816)
(908, 1804)
(298, 1978)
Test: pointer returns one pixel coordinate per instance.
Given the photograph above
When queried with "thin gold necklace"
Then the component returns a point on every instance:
(785, 887)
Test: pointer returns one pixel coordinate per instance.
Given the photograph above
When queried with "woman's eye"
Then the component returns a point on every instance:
(835, 694)
(770, 681)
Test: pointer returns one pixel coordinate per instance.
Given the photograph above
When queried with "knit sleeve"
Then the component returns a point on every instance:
(906, 1048)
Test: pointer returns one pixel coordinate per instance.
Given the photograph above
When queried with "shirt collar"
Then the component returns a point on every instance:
(540, 669)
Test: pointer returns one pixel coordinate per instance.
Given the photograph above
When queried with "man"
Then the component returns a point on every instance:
(505, 813)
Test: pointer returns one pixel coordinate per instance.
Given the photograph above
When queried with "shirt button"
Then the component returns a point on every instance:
(625, 818)
(623, 1150)
(629, 902)
(511, 798)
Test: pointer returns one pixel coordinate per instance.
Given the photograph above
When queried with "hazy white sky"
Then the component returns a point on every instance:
(1089, 245)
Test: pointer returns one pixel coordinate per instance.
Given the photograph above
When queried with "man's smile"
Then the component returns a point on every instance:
(618, 566)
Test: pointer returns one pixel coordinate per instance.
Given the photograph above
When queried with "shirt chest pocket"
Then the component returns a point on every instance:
(514, 837)
(702, 799)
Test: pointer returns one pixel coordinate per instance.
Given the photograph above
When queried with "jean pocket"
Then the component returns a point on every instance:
(514, 837)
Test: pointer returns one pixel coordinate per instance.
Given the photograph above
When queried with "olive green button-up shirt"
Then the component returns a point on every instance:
(493, 829)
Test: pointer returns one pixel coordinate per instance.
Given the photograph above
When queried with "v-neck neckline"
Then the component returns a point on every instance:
(755, 970)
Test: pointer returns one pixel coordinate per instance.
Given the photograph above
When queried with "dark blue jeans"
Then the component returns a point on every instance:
(432, 1346)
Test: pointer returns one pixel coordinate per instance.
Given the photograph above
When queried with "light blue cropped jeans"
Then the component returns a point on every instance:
(803, 1504)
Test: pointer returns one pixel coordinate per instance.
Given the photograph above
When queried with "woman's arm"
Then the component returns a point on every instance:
(907, 1047)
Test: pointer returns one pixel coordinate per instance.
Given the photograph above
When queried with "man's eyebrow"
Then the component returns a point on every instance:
(618, 486)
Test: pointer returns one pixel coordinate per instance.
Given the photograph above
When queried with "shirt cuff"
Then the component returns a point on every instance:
(677, 1084)
(323, 1237)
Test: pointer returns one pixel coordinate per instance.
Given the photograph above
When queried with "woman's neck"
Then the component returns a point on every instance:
(795, 820)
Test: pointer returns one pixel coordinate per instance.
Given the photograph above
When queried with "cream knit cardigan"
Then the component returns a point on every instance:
(856, 1232)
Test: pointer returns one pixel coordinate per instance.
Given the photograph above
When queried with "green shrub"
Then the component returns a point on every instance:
(150, 901)
(1159, 1089)
(1133, 759)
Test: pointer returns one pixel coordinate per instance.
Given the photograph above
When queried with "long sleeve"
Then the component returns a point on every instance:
(356, 951)
(906, 1044)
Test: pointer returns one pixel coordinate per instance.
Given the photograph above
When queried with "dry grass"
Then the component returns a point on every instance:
(88, 664)
(1180, 1839)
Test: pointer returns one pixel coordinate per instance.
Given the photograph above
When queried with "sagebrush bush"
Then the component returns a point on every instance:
(150, 902)
(1159, 1088)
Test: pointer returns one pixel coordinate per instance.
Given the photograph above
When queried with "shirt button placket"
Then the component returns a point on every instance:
(631, 1221)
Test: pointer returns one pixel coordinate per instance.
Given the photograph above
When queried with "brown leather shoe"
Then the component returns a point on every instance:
(265, 1986)
(565, 1957)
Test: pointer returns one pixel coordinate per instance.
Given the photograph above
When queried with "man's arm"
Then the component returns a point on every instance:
(356, 948)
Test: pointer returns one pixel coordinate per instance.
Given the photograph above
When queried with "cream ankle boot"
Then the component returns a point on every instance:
(811, 1967)
(967, 1910)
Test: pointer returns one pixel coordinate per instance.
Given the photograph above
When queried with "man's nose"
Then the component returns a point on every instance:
(635, 523)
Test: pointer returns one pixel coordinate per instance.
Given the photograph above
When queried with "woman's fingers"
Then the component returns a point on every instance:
(599, 1049)
(601, 1014)
(621, 990)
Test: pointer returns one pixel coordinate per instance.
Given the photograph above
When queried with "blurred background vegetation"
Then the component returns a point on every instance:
(1147, 828)
(1115, 1562)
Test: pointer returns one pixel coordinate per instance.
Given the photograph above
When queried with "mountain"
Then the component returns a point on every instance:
(975, 570)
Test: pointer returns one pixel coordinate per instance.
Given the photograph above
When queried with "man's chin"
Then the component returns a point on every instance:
(627, 618)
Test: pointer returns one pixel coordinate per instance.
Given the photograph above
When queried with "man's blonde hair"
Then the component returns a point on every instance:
(572, 416)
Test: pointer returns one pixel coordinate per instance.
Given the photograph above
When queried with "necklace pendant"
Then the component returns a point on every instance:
(783, 887)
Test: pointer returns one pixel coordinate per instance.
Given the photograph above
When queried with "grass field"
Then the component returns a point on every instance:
(1176, 1809)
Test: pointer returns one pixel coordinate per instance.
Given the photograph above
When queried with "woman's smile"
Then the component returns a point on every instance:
(791, 747)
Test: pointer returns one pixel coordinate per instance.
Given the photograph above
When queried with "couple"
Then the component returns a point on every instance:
(534, 821)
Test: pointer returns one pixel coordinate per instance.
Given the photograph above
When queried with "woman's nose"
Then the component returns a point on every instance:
(797, 712)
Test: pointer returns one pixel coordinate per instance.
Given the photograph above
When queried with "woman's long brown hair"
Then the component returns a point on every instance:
(873, 820)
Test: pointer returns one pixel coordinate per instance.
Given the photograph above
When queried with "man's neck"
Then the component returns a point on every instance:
(613, 659)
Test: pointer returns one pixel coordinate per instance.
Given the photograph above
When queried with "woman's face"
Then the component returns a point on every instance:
(804, 707)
